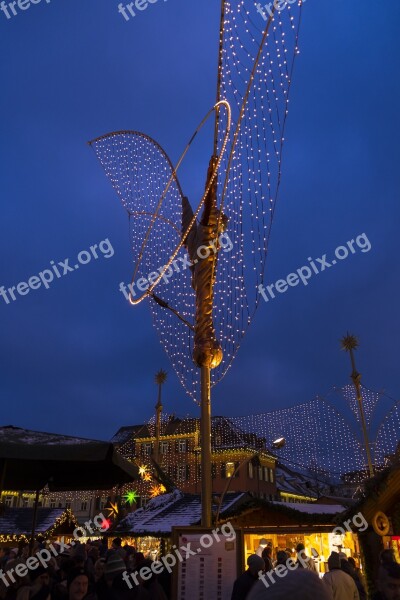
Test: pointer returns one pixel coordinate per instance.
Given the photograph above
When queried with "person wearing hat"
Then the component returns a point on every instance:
(340, 583)
(113, 587)
(245, 582)
(40, 583)
(77, 583)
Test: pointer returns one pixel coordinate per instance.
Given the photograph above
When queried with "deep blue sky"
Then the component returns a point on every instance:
(77, 358)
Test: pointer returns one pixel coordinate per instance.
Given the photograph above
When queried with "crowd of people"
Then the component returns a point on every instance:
(89, 571)
(299, 580)
(92, 571)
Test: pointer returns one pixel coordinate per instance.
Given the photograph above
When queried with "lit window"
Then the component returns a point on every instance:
(84, 506)
(271, 475)
(251, 471)
(147, 449)
(181, 474)
(182, 445)
(164, 447)
(266, 474)
(260, 473)
(229, 469)
(8, 501)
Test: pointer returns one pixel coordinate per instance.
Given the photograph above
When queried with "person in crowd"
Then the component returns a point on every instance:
(299, 584)
(347, 567)
(281, 558)
(341, 585)
(152, 585)
(93, 555)
(40, 588)
(267, 556)
(301, 552)
(388, 582)
(387, 556)
(357, 569)
(99, 569)
(65, 564)
(116, 587)
(245, 582)
(116, 547)
(20, 589)
(77, 584)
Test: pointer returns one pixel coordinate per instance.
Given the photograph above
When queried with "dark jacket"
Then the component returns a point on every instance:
(243, 585)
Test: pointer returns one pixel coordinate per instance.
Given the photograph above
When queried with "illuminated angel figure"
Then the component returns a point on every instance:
(203, 303)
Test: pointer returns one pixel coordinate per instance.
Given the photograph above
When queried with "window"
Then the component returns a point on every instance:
(260, 473)
(229, 469)
(182, 446)
(271, 475)
(266, 474)
(84, 505)
(146, 448)
(164, 447)
(8, 501)
(218, 440)
(181, 474)
(52, 504)
(250, 470)
(25, 502)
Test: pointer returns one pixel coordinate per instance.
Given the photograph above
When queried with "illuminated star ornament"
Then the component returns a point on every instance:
(143, 469)
(131, 497)
(113, 510)
(157, 490)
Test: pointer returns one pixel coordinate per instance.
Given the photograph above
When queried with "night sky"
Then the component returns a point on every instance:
(76, 358)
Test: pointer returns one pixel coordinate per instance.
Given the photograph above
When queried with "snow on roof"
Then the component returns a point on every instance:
(16, 435)
(313, 507)
(169, 510)
(18, 521)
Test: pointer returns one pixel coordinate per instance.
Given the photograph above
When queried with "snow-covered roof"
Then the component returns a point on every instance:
(169, 510)
(18, 521)
(313, 507)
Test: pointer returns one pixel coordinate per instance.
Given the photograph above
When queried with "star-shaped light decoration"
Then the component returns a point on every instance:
(131, 497)
(113, 510)
(147, 477)
(143, 469)
(155, 491)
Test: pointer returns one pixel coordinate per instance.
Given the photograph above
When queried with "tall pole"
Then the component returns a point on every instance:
(160, 379)
(205, 433)
(207, 352)
(349, 344)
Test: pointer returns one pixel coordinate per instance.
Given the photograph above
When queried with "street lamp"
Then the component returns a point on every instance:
(279, 443)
